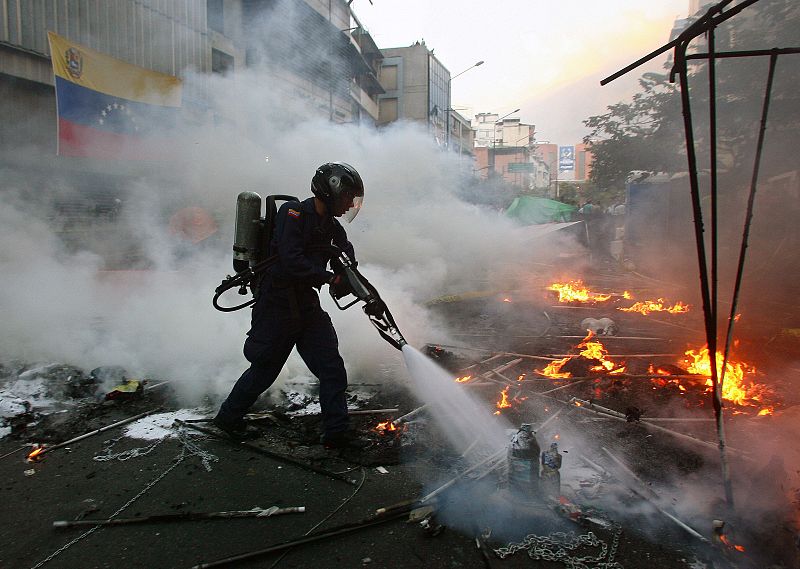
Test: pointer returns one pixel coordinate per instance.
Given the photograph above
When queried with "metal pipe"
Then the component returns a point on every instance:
(97, 431)
(372, 411)
(708, 310)
(183, 517)
(310, 538)
(697, 29)
(649, 495)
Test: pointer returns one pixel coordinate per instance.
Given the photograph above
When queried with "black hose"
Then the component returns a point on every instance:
(245, 278)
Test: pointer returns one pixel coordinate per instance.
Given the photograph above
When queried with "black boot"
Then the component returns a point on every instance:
(238, 430)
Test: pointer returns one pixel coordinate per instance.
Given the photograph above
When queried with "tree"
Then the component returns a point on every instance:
(647, 133)
(644, 134)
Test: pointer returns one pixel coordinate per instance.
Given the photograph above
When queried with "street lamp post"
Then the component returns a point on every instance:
(494, 137)
(450, 103)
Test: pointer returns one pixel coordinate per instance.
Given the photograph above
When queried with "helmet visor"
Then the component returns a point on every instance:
(351, 213)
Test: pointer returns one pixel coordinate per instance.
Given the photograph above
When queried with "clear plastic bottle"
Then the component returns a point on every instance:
(523, 461)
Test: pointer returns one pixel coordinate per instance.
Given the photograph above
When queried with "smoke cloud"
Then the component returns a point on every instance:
(121, 287)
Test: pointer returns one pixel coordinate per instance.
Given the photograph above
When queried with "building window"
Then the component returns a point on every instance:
(221, 62)
(214, 15)
(389, 77)
(387, 112)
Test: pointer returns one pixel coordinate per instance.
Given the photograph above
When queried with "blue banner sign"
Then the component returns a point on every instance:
(566, 158)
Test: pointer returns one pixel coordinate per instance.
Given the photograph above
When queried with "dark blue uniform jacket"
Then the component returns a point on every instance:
(291, 284)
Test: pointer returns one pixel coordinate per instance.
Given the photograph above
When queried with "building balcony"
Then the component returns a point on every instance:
(365, 102)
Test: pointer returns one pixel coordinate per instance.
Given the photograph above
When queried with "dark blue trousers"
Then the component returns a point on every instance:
(276, 330)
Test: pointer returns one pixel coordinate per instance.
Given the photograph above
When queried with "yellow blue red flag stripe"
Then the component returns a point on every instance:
(108, 108)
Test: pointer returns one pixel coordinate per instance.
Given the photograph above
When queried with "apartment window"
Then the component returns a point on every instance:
(387, 112)
(221, 62)
(215, 16)
(389, 77)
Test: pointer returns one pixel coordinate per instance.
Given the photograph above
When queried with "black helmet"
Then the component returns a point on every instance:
(340, 188)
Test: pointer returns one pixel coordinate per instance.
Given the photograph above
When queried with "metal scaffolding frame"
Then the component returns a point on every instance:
(706, 25)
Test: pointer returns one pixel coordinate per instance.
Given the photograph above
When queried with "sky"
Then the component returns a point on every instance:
(546, 58)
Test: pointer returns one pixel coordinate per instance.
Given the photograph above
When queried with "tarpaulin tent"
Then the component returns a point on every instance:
(528, 210)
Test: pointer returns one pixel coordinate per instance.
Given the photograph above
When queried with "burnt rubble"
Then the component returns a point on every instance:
(615, 454)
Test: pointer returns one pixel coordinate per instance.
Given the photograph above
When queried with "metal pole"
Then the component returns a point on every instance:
(450, 102)
(698, 28)
(310, 538)
(708, 310)
(97, 431)
(749, 215)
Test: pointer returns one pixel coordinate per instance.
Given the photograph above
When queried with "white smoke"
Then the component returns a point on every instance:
(414, 239)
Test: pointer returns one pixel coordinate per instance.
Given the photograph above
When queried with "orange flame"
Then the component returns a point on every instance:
(738, 384)
(553, 369)
(503, 402)
(596, 351)
(724, 539)
(463, 379)
(591, 351)
(645, 307)
(385, 427)
(576, 291)
(657, 370)
(734, 388)
(35, 453)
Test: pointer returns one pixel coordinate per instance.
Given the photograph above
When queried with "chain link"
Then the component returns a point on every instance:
(126, 454)
(188, 448)
(562, 547)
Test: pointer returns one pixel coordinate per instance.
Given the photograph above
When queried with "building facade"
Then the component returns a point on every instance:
(416, 89)
(314, 50)
(415, 84)
(503, 148)
(314, 53)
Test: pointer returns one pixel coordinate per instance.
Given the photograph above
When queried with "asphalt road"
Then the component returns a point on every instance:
(69, 483)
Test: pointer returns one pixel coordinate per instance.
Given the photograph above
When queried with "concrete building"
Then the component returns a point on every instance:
(503, 148)
(415, 84)
(583, 162)
(313, 54)
(315, 50)
(462, 135)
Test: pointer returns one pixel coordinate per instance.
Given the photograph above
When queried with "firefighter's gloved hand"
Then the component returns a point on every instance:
(340, 287)
(375, 308)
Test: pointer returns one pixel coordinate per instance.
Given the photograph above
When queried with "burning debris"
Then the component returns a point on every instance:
(576, 291)
(532, 475)
(645, 307)
(592, 358)
(739, 385)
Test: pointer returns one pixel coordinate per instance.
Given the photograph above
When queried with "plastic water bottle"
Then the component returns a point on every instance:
(523, 461)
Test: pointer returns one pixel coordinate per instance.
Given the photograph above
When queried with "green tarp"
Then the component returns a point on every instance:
(528, 210)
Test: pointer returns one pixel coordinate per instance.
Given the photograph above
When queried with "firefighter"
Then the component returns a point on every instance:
(287, 312)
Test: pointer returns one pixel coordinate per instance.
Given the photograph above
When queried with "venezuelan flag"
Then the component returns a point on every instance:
(108, 108)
